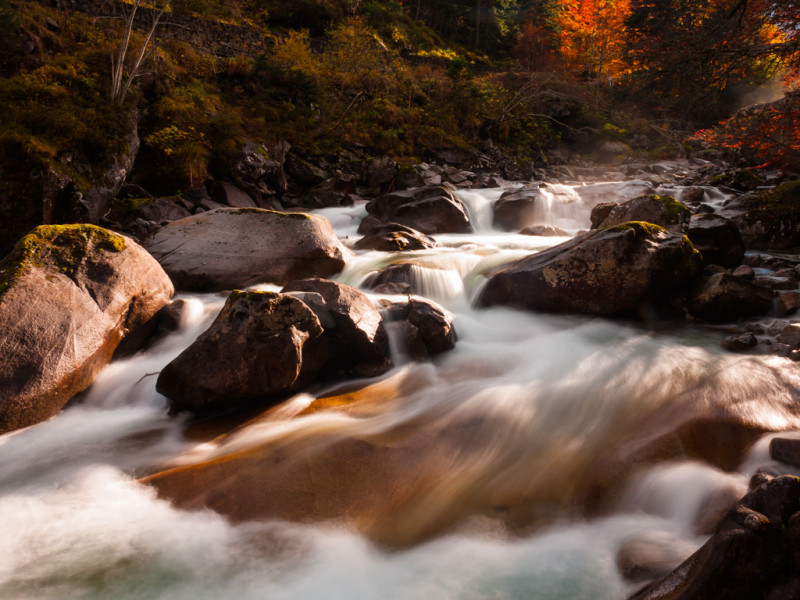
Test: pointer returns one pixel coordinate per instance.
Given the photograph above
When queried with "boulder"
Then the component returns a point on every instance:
(68, 295)
(515, 208)
(260, 345)
(768, 219)
(785, 450)
(393, 237)
(426, 328)
(228, 248)
(303, 172)
(257, 165)
(739, 343)
(544, 231)
(723, 297)
(660, 210)
(717, 239)
(431, 209)
(228, 194)
(608, 271)
(752, 554)
(359, 344)
(600, 213)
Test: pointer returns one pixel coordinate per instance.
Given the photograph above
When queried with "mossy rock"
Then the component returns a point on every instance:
(665, 211)
(770, 219)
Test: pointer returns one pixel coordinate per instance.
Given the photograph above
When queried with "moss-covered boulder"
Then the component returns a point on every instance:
(432, 209)
(609, 271)
(260, 345)
(768, 219)
(665, 211)
(230, 248)
(68, 295)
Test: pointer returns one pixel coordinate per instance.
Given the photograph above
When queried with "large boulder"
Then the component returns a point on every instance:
(717, 239)
(723, 297)
(260, 345)
(665, 211)
(608, 271)
(515, 208)
(768, 219)
(68, 295)
(752, 554)
(230, 248)
(357, 338)
(425, 328)
(431, 209)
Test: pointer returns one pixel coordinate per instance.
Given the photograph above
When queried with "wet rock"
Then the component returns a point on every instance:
(745, 272)
(790, 335)
(785, 450)
(260, 345)
(432, 209)
(608, 271)
(427, 328)
(652, 555)
(544, 231)
(788, 303)
(739, 343)
(660, 210)
(229, 248)
(68, 295)
(393, 237)
(600, 213)
(724, 297)
(717, 239)
(515, 208)
(749, 556)
(359, 344)
(768, 219)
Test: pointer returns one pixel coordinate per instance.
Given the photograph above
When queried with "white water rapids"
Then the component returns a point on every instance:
(564, 412)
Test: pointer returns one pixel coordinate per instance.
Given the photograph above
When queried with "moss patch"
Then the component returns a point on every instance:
(640, 228)
(61, 246)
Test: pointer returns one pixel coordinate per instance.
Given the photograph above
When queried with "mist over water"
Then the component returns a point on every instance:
(536, 476)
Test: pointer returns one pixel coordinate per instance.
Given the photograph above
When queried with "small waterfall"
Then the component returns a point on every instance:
(560, 206)
(479, 206)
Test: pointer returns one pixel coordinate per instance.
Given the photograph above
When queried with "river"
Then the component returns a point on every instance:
(580, 441)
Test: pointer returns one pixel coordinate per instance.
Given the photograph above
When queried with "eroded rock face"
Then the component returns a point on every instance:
(609, 271)
(359, 344)
(660, 210)
(717, 239)
(432, 209)
(260, 345)
(723, 297)
(233, 248)
(68, 295)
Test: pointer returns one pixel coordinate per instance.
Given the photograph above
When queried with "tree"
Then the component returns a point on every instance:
(122, 76)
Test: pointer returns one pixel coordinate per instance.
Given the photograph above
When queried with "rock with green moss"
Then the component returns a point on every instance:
(260, 346)
(230, 248)
(68, 295)
(768, 219)
(616, 270)
(661, 210)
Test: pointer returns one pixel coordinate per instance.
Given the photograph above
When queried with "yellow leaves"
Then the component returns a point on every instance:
(293, 52)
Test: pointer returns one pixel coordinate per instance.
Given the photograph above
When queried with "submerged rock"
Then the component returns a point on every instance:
(68, 295)
(228, 248)
(432, 209)
(608, 271)
(260, 345)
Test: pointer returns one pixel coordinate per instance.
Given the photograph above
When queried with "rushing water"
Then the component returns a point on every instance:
(560, 414)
